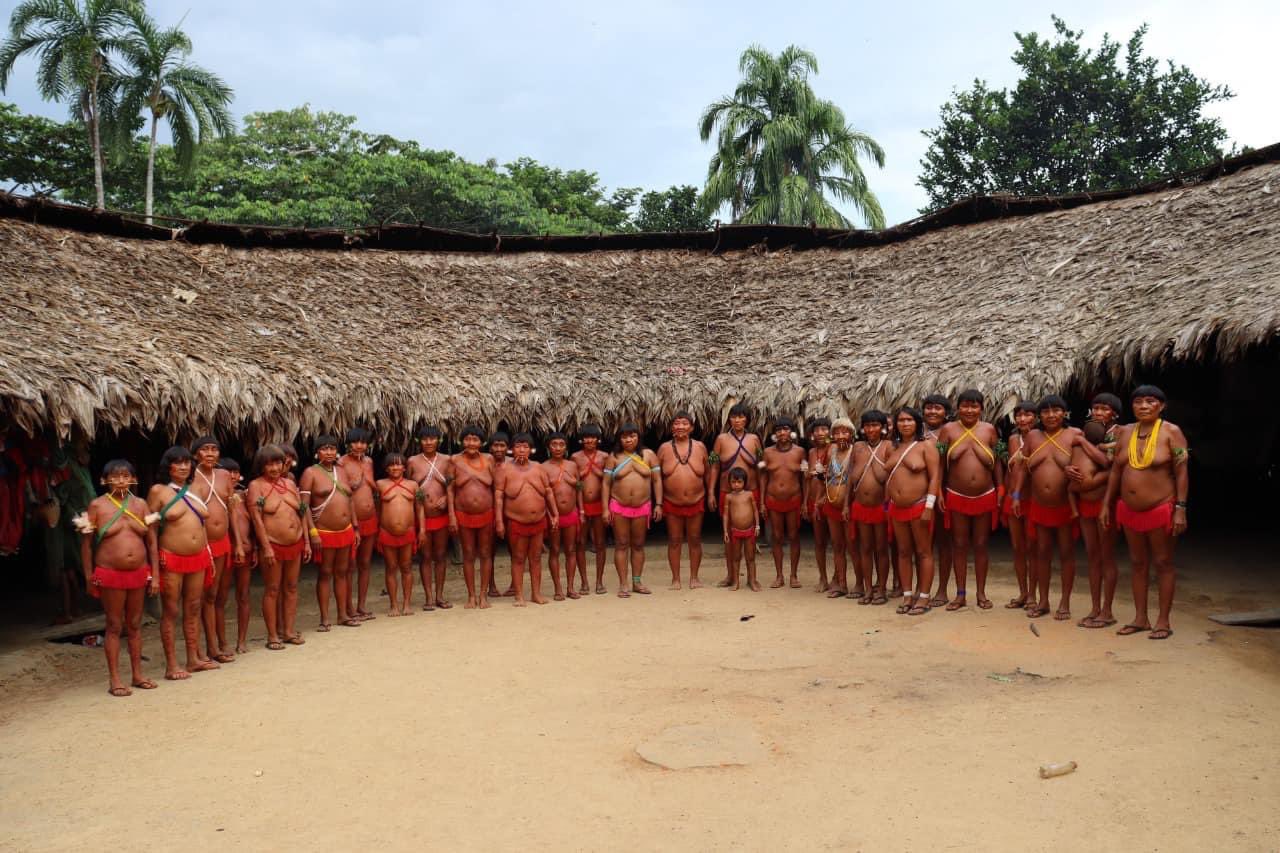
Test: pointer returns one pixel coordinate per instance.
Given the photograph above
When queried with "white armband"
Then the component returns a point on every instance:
(929, 501)
(82, 523)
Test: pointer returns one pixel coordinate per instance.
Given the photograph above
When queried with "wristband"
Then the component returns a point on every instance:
(1180, 504)
(929, 501)
(315, 533)
(1017, 495)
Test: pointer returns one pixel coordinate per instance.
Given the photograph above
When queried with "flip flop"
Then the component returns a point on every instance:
(350, 622)
(1016, 603)
(275, 645)
(985, 604)
(119, 692)
(145, 684)
(953, 606)
(1095, 622)
(1061, 615)
(879, 598)
(322, 628)
(1130, 629)
(1161, 634)
(1037, 612)
(295, 640)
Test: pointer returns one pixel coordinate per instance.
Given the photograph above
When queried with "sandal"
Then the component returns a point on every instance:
(1130, 629)
(323, 628)
(1161, 634)
(350, 622)
(1037, 612)
(295, 640)
(1016, 603)
(119, 692)
(1061, 615)
(145, 684)
(984, 603)
(879, 598)
(275, 645)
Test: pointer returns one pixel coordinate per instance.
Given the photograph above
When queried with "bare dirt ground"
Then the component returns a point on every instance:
(466, 730)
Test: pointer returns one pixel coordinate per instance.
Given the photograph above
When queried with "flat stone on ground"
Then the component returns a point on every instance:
(704, 745)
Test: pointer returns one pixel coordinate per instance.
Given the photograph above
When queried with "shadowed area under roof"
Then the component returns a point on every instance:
(95, 331)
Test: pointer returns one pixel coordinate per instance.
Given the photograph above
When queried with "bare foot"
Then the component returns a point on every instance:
(676, 585)
(755, 586)
(559, 596)
(725, 584)
(519, 602)
(694, 583)
(573, 595)
(242, 649)
(119, 690)
(778, 583)
(737, 585)
(822, 585)
(405, 611)
(471, 603)
(393, 613)
(177, 675)
(539, 599)
(203, 666)
(600, 590)
(795, 582)
(585, 589)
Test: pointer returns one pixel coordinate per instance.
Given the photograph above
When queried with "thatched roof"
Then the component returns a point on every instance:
(551, 332)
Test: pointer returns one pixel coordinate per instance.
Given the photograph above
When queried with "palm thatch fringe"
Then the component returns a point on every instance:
(102, 331)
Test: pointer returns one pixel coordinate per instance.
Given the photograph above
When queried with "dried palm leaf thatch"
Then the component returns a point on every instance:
(96, 330)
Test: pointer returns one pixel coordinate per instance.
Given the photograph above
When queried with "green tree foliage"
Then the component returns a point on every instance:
(782, 152)
(675, 209)
(316, 169)
(43, 157)
(1077, 120)
(158, 79)
(73, 43)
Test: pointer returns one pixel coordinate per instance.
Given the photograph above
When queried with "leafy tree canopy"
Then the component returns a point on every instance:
(316, 169)
(1077, 120)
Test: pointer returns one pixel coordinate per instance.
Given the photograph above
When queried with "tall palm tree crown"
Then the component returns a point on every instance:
(73, 42)
(781, 150)
(158, 78)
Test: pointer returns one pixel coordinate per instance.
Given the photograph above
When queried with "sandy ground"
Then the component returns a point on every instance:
(466, 730)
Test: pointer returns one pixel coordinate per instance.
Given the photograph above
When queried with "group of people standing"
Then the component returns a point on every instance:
(872, 493)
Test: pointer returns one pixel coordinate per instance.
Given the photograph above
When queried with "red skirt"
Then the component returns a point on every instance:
(1089, 509)
(221, 547)
(332, 540)
(520, 528)
(396, 540)
(436, 522)
(188, 564)
(987, 502)
(1039, 515)
(789, 505)
(368, 526)
(289, 552)
(749, 533)
(105, 578)
(474, 520)
(867, 514)
(682, 510)
(1145, 520)
(594, 509)
(569, 519)
(831, 511)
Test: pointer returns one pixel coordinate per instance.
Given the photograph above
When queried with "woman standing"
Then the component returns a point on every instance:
(118, 549)
(280, 520)
(912, 476)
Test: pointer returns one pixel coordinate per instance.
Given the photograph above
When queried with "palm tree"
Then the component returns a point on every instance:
(781, 151)
(73, 41)
(159, 79)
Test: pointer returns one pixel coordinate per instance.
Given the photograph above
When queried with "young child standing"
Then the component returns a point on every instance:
(741, 517)
(243, 560)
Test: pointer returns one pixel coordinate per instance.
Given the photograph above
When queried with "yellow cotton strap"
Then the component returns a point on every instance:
(1140, 460)
(968, 433)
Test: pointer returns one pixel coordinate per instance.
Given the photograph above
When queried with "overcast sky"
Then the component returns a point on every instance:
(618, 88)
